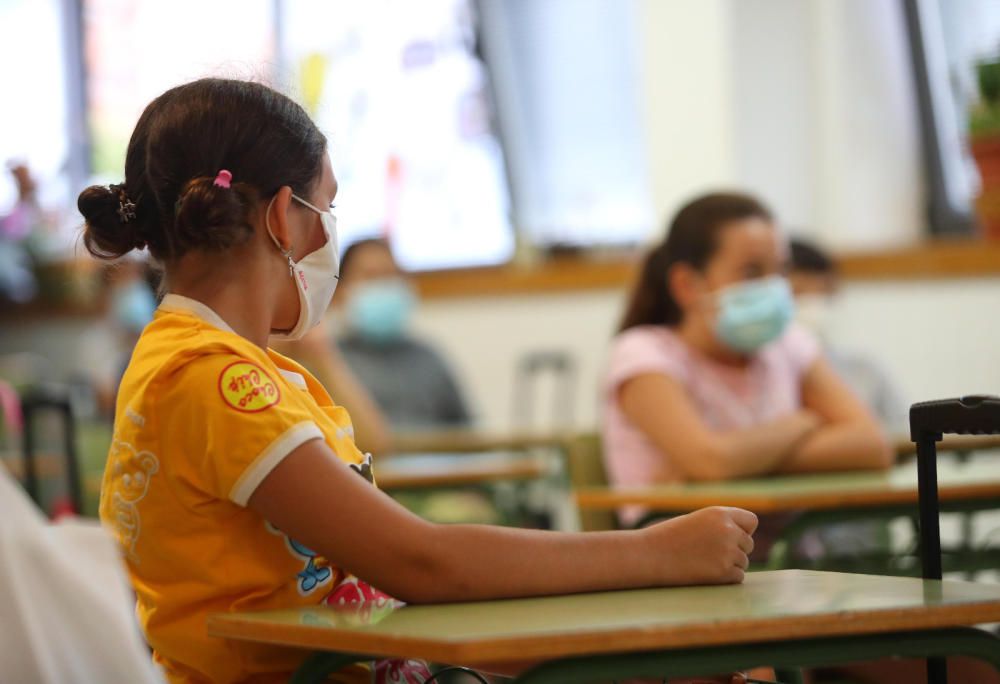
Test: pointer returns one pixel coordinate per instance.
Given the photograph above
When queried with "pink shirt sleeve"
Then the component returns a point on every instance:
(645, 349)
(801, 348)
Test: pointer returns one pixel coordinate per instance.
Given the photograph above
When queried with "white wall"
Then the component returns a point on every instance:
(938, 337)
(485, 337)
(688, 98)
(808, 103)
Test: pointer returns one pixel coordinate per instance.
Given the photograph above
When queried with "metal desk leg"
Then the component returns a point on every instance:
(692, 662)
(321, 665)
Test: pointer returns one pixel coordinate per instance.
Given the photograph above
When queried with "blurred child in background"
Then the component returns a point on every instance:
(17, 281)
(815, 283)
(410, 381)
(709, 379)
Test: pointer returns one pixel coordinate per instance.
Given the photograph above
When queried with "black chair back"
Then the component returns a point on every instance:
(929, 422)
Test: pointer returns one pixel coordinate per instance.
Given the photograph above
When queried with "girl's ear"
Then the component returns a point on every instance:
(277, 217)
(685, 285)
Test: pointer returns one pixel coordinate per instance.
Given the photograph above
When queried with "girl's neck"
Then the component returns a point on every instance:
(697, 334)
(231, 292)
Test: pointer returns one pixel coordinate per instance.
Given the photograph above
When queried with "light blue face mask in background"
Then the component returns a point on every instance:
(133, 306)
(754, 313)
(380, 310)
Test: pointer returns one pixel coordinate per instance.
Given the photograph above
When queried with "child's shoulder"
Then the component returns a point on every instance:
(658, 340)
(797, 346)
(647, 349)
(176, 351)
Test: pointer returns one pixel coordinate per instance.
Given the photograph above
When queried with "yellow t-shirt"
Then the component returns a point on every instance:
(202, 417)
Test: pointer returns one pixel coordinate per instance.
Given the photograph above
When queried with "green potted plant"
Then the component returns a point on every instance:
(984, 133)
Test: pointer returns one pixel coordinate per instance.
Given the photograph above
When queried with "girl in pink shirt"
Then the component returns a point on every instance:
(708, 381)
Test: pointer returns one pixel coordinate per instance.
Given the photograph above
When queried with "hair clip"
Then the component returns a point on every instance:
(126, 207)
(223, 180)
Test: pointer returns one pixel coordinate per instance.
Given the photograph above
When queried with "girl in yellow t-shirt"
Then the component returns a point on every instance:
(233, 481)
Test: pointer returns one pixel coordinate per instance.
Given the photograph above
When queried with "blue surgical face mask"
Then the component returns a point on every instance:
(753, 313)
(133, 305)
(380, 310)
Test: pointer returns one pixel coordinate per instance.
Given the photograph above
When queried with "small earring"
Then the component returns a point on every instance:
(287, 253)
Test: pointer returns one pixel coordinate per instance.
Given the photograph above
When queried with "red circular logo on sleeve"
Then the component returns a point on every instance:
(247, 387)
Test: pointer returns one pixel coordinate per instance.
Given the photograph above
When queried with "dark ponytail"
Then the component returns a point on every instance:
(213, 217)
(111, 229)
(169, 201)
(692, 238)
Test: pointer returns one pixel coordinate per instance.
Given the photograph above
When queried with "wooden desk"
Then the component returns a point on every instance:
(450, 470)
(971, 481)
(903, 446)
(445, 470)
(469, 441)
(785, 618)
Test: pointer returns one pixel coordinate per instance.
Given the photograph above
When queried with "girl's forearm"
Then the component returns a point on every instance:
(760, 449)
(472, 562)
(858, 445)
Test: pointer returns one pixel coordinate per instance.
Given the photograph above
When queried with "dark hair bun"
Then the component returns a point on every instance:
(105, 235)
(209, 216)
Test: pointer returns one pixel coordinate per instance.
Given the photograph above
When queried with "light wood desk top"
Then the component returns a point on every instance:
(471, 441)
(769, 606)
(455, 441)
(977, 479)
(436, 471)
(952, 443)
(450, 470)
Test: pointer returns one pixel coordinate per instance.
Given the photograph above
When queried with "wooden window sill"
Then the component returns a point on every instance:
(932, 260)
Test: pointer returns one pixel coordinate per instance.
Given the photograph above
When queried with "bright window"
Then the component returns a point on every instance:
(33, 118)
(568, 88)
(137, 49)
(405, 102)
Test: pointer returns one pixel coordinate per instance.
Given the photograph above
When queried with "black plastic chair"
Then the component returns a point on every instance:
(929, 422)
(33, 403)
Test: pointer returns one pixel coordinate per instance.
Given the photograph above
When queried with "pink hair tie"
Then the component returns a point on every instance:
(223, 179)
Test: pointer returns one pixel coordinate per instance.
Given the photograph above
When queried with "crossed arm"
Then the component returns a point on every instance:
(833, 431)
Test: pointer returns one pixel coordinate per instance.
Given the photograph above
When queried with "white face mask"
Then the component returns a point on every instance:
(315, 275)
(815, 313)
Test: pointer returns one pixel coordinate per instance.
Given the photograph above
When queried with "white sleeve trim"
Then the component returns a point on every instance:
(271, 456)
(296, 379)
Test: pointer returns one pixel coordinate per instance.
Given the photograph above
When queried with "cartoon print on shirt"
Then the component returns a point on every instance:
(364, 469)
(364, 602)
(316, 571)
(400, 671)
(131, 474)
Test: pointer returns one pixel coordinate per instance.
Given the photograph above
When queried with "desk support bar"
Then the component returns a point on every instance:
(965, 641)
(783, 655)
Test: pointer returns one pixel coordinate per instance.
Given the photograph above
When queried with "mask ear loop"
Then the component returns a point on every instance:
(287, 253)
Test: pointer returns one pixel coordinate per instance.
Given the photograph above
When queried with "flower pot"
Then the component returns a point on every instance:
(986, 152)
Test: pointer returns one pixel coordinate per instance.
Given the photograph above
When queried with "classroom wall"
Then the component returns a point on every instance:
(810, 104)
(938, 338)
